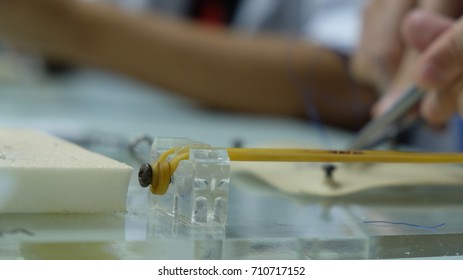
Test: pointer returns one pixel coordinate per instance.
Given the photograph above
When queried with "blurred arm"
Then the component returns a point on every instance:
(221, 68)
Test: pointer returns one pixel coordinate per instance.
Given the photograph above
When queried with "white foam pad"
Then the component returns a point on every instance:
(40, 173)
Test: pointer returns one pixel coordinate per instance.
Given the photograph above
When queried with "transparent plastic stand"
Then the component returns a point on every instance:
(198, 192)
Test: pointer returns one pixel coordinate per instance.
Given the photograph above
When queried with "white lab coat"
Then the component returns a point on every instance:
(334, 23)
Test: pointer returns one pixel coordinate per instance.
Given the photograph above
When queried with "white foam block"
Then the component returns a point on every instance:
(40, 173)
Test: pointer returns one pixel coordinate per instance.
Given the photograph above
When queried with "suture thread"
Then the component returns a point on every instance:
(433, 228)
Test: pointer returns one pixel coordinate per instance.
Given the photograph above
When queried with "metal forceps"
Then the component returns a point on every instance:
(389, 123)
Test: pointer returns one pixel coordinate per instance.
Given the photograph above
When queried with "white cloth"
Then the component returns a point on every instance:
(335, 23)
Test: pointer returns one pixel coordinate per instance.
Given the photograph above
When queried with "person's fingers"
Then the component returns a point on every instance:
(441, 64)
(380, 47)
(441, 40)
(421, 28)
(440, 71)
(438, 107)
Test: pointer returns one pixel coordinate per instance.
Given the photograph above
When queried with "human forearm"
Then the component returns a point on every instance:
(220, 68)
(233, 71)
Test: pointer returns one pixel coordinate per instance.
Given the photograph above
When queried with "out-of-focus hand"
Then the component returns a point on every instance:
(387, 60)
(439, 68)
(380, 49)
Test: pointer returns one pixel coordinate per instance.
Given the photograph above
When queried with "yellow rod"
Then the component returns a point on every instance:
(163, 169)
(304, 155)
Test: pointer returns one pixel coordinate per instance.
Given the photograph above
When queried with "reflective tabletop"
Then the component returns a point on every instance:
(104, 113)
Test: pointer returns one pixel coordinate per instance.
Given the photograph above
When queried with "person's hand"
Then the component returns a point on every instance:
(380, 49)
(385, 58)
(439, 68)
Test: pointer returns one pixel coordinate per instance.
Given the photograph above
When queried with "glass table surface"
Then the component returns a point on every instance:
(263, 223)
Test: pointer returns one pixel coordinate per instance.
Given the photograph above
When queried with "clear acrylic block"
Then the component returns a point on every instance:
(162, 144)
(198, 192)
